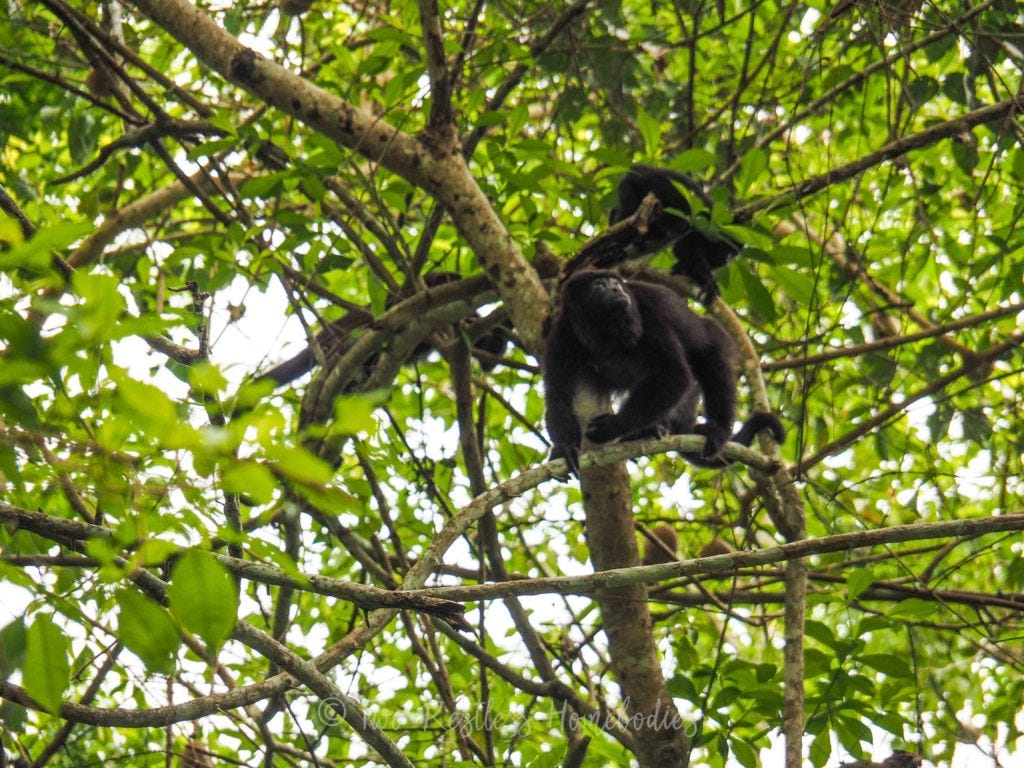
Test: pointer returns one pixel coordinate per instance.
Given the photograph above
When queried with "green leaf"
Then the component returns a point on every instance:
(46, 671)
(857, 580)
(601, 744)
(261, 186)
(251, 479)
(207, 379)
(965, 152)
(913, 608)
(353, 414)
(725, 696)
(758, 296)
(977, 427)
(550, 759)
(691, 160)
(82, 135)
(203, 596)
(821, 749)
(682, 688)
(299, 464)
(10, 232)
(211, 147)
(890, 664)
(153, 552)
(797, 285)
(753, 165)
(651, 131)
(12, 647)
(847, 737)
(822, 633)
(18, 407)
(147, 403)
(745, 753)
(102, 304)
(751, 237)
(922, 89)
(36, 254)
(147, 631)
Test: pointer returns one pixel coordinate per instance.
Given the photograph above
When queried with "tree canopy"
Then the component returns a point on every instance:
(273, 476)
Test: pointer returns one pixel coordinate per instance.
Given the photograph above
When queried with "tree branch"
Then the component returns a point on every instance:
(651, 574)
(427, 164)
(1003, 110)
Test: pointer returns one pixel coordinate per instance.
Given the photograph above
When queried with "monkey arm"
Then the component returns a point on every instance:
(662, 373)
(649, 402)
(714, 367)
(561, 381)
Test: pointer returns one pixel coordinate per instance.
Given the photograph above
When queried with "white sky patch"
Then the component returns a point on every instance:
(807, 25)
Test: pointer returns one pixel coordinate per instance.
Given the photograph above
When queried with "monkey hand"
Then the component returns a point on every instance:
(603, 428)
(571, 454)
(715, 437)
(708, 294)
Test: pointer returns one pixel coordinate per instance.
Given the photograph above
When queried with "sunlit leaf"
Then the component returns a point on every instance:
(203, 597)
(146, 630)
(46, 669)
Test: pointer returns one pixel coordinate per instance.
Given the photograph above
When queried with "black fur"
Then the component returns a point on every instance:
(697, 251)
(640, 340)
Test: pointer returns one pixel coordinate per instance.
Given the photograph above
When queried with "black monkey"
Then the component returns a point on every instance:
(640, 340)
(697, 250)
(334, 339)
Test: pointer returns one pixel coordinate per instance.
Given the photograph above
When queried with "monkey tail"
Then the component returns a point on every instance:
(291, 369)
(758, 422)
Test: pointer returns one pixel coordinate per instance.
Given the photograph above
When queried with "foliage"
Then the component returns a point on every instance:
(180, 235)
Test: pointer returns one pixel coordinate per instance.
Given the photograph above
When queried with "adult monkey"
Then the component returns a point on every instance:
(611, 336)
(698, 249)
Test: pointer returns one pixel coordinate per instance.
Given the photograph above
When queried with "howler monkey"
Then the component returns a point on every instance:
(697, 250)
(334, 340)
(640, 340)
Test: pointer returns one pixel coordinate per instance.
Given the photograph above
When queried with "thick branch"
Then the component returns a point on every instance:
(435, 166)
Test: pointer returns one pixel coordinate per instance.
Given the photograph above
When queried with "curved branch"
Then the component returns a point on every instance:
(134, 214)
(889, 342)
(145, 135)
